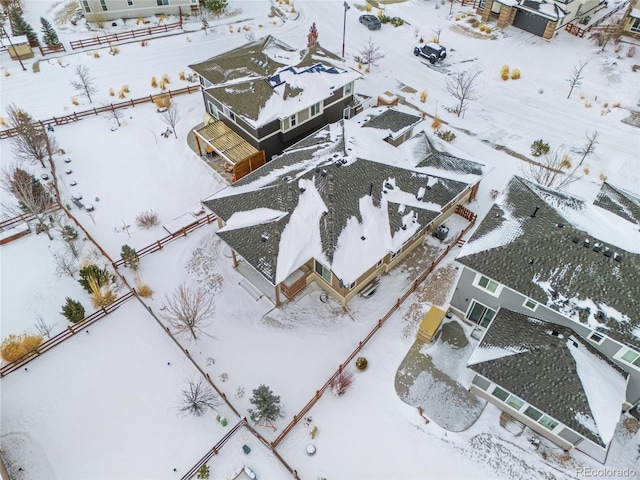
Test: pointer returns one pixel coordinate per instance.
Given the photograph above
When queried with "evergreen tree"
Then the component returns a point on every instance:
(216, 6)
(49, 35)
(267, 405)
(100, 275)
(73, 311)
(130, 257)
(312, 37)
(31, 195)
(70, 236)
(19, 26)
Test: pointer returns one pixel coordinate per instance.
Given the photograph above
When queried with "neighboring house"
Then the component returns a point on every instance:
(103, 10)
(550, 256)
(344, 205)
(273, 95)
(631, 20)
(540, 17)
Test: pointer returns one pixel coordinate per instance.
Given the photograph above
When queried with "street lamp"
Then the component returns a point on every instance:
(344, 25)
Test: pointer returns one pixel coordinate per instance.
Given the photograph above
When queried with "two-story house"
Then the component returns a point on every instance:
(102, 10)
(553, 281)
(631, 20)
(273, 95)
(344, 205)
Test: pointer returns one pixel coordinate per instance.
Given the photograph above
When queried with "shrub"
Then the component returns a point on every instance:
(11, 348)
(203, 472)
(473, 21)
(361, 363)
(368, 7)
(154, 82)
(423, 96)
(122, 93)
(446, 135)
(73, 310)
(3, 122)
(566, 162)
(75, 101)
(396, 21)
(341, 382)
(515, 74)
(114, 50)
(101, 276)
(182, 76)
(125, 88)
(616, 105)
(437, 123)
(144, 290)
(631, 52)
(165, 79)
(586, 170)
(130, 257)
(587, 104)
(111, 92)
(163, 85)
(147, 219)
(96, 54)
(162, 101)
(505, 76)
(603, 177)
(539, 147)
(30, 343)
(102, 297)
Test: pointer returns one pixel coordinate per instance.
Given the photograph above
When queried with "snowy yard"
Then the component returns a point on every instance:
(104, 404)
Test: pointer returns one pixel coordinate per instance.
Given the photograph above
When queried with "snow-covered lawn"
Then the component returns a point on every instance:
(104, 403)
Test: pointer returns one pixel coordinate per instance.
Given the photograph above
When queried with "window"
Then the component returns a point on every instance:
(480, 314)
(103, 4)
(548, 422)
(635, 26)
(130, 3)
(500, 393)
(379, 262)
(162, 2)
(293, 120)
(213, 111)
(315, 109)
(351, 286)
(514, 402)
(85, 4)
(533, 413)
(348, 88)
(323, 271)
(530, 304)
(488, 284)
(481, 4)
(395, 254)
(631, 357)
(229, 113)
(596, 337)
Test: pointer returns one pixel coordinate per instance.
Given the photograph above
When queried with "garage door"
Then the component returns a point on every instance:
(530, 22)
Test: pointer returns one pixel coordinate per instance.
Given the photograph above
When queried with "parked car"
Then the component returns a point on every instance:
(371, 22)
(433, 52)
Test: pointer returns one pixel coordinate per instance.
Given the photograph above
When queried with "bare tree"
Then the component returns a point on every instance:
(113, 114)
(553, 170)
(188, 310)
(65, 265)
(85, 83)
(30, 143)
(171, 117)
(371, 53)
(603, 34)
(33, 198)
(42, 327)
(575, 79)
(462, 87)
(197, 398)
(589, 147)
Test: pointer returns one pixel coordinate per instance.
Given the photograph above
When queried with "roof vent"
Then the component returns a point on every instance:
(535, 211)
(264, 237)
(617, 257)
(560, 225)
(419, 198)
(586, 243)
(338, 163)
(344, 161)
(302, 189)
(388, 185)
(531, 261)
(324, 172)
(607, 252)
(597, 247)
(404, 227)
(574, 239)
(555, 333)
(363, 238)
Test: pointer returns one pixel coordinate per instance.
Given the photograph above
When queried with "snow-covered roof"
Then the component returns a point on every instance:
(268, 80)
(549, 367)
(575, 257)
(544, 8)
(338, 197)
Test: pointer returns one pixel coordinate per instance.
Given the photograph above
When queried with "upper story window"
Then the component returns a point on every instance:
(103, 4)
(480, 314)
(85, 4)
(348, 88)
(213, 111)
(315, 109)
(485, 283)
(596, 337)
(323, 271)
(628, 356)
(130, 3)
(293, 120)
(229, 113)
(530, 304)
(162, 2)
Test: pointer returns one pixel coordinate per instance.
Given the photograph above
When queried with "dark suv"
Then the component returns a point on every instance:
(431, 51)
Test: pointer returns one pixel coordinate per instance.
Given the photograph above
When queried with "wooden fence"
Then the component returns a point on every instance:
(25, 217)
(579, 32)
(120, 37)
(154, 247)
(381, 322)
(70, 331)
(46, 49)
(76, 116)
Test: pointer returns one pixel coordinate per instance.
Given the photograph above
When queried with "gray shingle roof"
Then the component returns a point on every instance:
(240, 77)
(319, 158)
(543, 257)
(393, 120)
(544, 373)
(621, 202)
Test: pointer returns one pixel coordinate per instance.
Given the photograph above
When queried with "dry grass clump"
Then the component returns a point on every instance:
(147, 219)
(437, 123)
(15, 347)
(504, 72)
(162, 101)
(423, 96)
(75, 101)
(96, 54)
(111, 92)
(144, 290)
(154, 82)
(515, 74)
